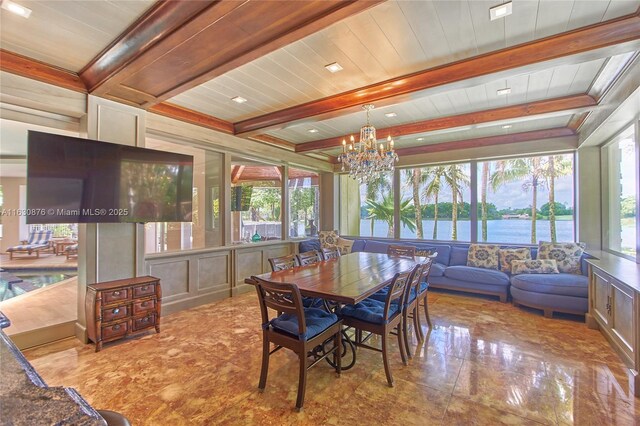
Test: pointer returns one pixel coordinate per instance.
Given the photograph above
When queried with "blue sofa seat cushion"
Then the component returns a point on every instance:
(477, 275)
(369, 310)
(317, 321)
(308, 245)
(558, 284)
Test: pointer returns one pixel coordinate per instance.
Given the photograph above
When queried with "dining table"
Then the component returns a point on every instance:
(348, 279)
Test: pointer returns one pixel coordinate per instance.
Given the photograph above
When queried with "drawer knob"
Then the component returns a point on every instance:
(116, 327)
(144, 304)
(116, 293)
(116, 310)
(144, 288)
(145, 319)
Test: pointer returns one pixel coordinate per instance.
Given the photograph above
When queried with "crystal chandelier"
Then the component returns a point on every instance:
(365, 160)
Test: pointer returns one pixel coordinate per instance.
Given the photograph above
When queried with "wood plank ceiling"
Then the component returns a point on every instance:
(433, 68)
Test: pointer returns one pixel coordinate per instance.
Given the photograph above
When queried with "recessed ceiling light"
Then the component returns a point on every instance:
(504, 91)
(239, 99)
(507, 126)
(391, 114)
(419, 139)
(312, 130)
(334, 67)
(501, 11)
(16, 8)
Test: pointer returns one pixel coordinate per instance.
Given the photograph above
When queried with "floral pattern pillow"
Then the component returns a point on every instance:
(483, 256)
(344, 245)
(328, 239)
(511, 254)
(567, 255)
(544, 266)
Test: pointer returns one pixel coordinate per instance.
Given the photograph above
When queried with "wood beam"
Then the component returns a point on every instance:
(272, 140)
(36, 70)
(599, 36)
(193, 117)
(236, 173)
(567, 104)
(488, 141)
(170, 50)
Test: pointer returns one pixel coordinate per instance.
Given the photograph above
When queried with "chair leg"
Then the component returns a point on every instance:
(338, 352)
(385, 359)
(302, 381)
(405, 335)
(426, 310)
(417, 323)
(402, 343)
(265, 364)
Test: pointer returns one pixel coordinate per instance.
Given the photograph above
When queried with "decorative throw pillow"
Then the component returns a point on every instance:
(483, 256)
(344, 245)
(511, 254)
(328, 239)
(544, 266)
(567, 255)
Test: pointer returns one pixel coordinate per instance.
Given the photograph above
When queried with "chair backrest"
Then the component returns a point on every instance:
(404, 251)
(283, 262)
(426, 270)
(282, 297)
(308, 258)
(397, 291)
(40, 237)
(331, 253)
(414, 282)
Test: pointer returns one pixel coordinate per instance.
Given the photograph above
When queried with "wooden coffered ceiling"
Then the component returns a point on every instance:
(437, 65)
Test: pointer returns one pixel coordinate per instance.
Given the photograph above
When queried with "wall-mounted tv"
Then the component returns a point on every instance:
(73, 180)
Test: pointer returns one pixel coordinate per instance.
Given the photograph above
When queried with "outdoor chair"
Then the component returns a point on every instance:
(71, 251)
(38, 241)
(380, 318)
(303, 330)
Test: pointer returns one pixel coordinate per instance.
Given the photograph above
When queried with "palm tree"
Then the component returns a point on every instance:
(432, 190)
(456, 179)
(415, 178)
(384, 211)
(483, 198)
(557, 166)
(534, 174)
(377, 188)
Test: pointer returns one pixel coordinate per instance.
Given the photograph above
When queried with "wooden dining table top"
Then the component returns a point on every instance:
(350, 278)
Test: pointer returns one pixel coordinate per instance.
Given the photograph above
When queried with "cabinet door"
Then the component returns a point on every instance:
(600, 303)
(622, 324)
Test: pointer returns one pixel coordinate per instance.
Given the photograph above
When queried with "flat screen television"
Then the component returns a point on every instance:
(73, 180)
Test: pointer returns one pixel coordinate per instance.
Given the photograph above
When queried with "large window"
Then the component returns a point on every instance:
(622, 165)
(526, 200)
(205, 228)
(437, 202)
(256, 201)
(304, 203)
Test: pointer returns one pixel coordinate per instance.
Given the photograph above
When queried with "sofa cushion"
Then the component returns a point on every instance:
(328, 239)
(358, 245)
(507, 255)
(310, 245)
(442, 250)
(371, 246)
(568, 255)
(539, 266)
(559, 284)
(458, 256)
(477, 275)
(483, 256)
(437, 269)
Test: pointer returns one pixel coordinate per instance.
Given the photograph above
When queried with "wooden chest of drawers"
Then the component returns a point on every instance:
(117, 309)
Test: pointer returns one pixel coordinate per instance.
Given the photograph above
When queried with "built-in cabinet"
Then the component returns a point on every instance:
(614, 308)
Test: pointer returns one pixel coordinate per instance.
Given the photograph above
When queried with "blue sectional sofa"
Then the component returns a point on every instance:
(548, 292)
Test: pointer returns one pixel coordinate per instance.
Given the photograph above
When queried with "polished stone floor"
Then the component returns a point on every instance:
(485, 363)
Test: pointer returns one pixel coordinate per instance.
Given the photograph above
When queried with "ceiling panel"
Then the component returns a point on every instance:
(473, 132)
(389, 40)
(552, 83)
(68, 34)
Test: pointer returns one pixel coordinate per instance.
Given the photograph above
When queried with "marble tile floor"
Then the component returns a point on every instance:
(484, 363)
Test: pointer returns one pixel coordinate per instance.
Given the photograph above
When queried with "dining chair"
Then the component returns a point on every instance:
(331, 253)
(422, 295)
(308, 258)
(412, 304)
(380, 318)
(298, 328)
(401, 251)
(283, 262)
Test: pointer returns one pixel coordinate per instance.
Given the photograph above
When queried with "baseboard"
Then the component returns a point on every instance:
(44, 335)
(242, 289)
(192, 302)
